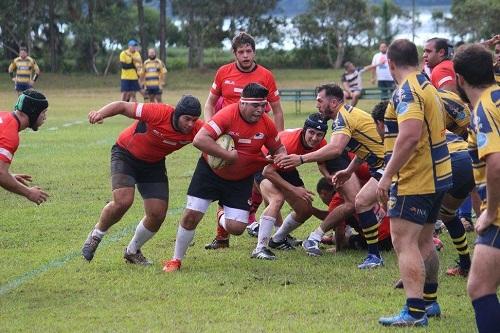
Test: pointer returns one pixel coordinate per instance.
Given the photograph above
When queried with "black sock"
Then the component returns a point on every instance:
(487, 311)
(416, 307)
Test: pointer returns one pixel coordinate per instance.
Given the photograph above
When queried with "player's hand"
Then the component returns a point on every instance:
(341, 177)
(484, 221)
(22, 178)
(287, 161)
(37, 195)
(95, 117)
(232, 156)
(304, 194)
(383, 191)
(270, 159)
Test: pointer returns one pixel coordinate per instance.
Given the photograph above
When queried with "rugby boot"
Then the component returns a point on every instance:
(90, 246)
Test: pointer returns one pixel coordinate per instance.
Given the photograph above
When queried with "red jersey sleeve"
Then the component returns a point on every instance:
(218, 124)
(441, 75)
(9, 141)
(217, 84)
(152, 113)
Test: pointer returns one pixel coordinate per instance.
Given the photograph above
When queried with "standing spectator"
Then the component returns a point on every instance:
(381, 72)
(154, 76)
(24, 66)
(131, 62)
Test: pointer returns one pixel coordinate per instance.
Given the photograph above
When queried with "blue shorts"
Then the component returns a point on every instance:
(153, 91)
(463, 178)
(130, 85)
(490, 237)
(22, 86)
(419, 209)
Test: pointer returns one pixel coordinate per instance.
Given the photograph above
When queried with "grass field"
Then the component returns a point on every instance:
(45, 285)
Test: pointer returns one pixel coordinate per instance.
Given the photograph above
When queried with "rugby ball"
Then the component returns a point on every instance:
(226, 142)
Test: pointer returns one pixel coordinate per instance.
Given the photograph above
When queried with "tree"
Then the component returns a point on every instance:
(163, 13)
(335, 24)
(474, 20)
(142, 34)
(438, 19)
(385, 13)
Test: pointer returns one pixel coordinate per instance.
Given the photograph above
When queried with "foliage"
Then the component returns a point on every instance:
(384, 15)
(474, 20)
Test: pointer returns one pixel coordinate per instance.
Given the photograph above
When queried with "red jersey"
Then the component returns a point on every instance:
(152, 136)
(443, 73)
(9, 136)
(229, 83)
(248, 141)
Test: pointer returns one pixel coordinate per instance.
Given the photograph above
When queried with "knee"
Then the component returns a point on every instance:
(349, 207)
(189, 220)
(237, 228)
(157, 216)
(123, 203)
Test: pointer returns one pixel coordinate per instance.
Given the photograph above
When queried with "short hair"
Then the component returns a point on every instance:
(442, 44)
(254, 90)
(324, 185)
(475, 63)
(241, 39)
(23, 48)
(459, 43)
(378, 111)
(347, 63)
(403, 53)
(332, 90)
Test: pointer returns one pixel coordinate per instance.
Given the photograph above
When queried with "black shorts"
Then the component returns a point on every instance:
(205, 184)
(338, 163)
(129, 85)
(463, 178)
(153, 91)
(419, 209)
(291, 177)
(127, 171)
(490, 237)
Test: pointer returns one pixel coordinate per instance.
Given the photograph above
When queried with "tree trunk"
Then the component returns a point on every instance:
(52, 36)
(329, 52)
(340, 51)
(92, 49)
(142, 35)
(163, 13)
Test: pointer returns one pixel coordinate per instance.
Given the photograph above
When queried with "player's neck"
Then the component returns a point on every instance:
(474, 94)
(401, 74)
(247, 70)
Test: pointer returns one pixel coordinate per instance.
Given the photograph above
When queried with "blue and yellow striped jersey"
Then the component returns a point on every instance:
(429, 168)
(484, 137)
(497, 74)
(364, 139)
(457, 112)
(154, 73)
(24, 69)
(455, 143)
(134, 60)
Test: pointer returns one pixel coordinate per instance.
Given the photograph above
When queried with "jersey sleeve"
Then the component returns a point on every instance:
(411, 106)
(216, 88)
(151, 113)
(488, 135)
(218, 124)
(442, 75)
(8, 146)
(274, 94)
(123, 57)
(12, 66)
(342, 125)
(35, 67)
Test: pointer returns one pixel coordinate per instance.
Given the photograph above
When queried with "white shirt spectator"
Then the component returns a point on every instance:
(382, 70)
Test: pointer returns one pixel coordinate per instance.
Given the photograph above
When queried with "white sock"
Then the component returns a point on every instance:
(182, 241)
(317, 234)
(98, 233)
(141, 236)
(289, 225)
(222, 221)
(265, 231)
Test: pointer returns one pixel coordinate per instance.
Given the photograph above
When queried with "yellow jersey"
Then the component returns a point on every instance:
(154, 73)
(484, 138)
(131, 65)
(24, 69)
(364, 141)
(455, 143)
(457, 113)
(429, 168)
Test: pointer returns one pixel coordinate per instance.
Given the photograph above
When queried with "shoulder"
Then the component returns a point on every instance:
(147, 61)
(264, 71)
(16, 59)
(227, 68)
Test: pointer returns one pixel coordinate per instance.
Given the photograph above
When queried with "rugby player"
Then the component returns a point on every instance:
(476, 83)
(153, 77)
(29, 111)
(131, 63)
(26, 71)
(355, 131)
(231, 185)
(416, 176)
(280, 185)
(437, 56)
(226, 89)
(138, 159)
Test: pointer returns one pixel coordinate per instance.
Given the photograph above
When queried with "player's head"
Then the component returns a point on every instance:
(329, 98)
(325, 190)
(436, 50)
(253, 102)
(132, 45)
(474, 68)
(402, 54)
(152, 53)
(187, 111)
(383, 47)
(34, 105)
(314, 130)
(378, 114)
(497, 54)
(244, 50)
(23, 52)
(349, 67)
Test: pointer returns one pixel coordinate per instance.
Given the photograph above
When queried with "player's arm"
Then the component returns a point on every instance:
(205, 142)
(488, 216)
(323, 170)
(345, 84)
(112, 109)
(328, 152)
(124, 63)
(342, 176)
(279, 120)
(37, 71)
(209, 109)
(319, 213)
(9, 182)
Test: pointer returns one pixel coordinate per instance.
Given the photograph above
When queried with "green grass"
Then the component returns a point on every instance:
(46, 286)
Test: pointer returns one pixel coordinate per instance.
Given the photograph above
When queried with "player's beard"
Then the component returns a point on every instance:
(462, 94)
(152, 58)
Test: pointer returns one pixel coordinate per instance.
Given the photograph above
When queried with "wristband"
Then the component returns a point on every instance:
(301, 159)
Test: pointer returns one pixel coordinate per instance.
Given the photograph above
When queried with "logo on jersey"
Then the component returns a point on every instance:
(229, 82)
(259, 136)
(482, 140)
(402, 108)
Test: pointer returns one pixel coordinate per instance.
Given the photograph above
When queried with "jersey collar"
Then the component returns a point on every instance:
(239, 70)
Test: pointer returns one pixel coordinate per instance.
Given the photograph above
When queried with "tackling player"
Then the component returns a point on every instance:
(231, 185)
(138, 159)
